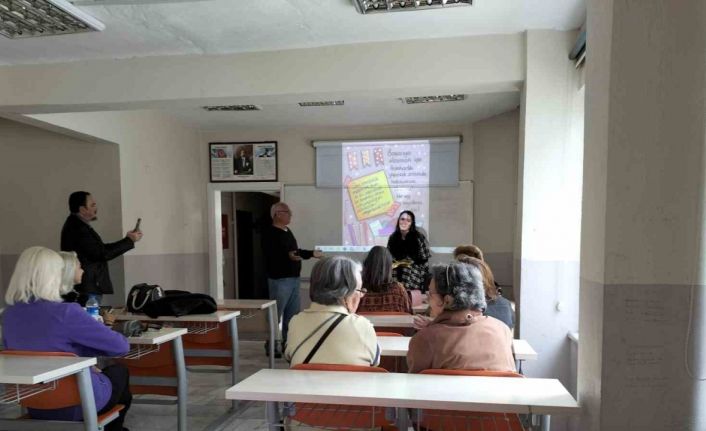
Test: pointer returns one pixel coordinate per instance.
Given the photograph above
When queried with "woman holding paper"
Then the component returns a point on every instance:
(410, 251)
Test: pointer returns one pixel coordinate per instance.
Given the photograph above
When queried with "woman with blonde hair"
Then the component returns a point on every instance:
(36, 319)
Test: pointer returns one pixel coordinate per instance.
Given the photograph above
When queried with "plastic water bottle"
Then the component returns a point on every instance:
(93, 308)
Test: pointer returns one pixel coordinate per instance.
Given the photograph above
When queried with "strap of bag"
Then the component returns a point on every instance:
(323, 338)
(148, 294)
(294, 352)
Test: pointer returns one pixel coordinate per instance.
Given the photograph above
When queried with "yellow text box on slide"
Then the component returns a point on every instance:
(370, 195)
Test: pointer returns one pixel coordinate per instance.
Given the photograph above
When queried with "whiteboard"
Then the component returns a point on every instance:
(316, 219)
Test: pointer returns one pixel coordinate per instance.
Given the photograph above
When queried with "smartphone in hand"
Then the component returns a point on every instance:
(137, 225)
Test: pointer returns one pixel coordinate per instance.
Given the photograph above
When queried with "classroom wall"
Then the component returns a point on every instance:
(495, 148)
(550, 161)
(38, 171)
(162, 181)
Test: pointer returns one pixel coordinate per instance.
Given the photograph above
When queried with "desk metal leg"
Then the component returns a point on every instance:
(544, 423)
(402, 420)
(273, 418)
(273, 320)
(88, 403)
(518, 365)
(235, 369)
(182, 384)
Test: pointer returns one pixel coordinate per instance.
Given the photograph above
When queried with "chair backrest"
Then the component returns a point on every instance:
(388, 334)
(64, 395)
(482, 373)
(339, 367)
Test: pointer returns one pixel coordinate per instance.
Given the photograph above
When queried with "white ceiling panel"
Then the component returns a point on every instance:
(231, 26)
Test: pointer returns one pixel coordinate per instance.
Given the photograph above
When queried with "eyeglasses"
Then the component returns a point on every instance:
(286, 212)
(362, 291)
(405, 219)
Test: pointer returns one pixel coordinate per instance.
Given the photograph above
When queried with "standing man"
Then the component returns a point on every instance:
(283, 265)
(78, 235)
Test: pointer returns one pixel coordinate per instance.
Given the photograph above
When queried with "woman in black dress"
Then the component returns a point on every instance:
(410, 250)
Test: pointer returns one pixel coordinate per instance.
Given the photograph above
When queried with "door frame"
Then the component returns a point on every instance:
(215, 246)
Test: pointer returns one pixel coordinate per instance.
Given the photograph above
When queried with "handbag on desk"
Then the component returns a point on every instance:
(142, 294)
(180, 303)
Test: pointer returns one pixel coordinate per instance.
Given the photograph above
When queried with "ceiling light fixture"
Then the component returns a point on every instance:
(434, 99)
(31, 18)
(372, 6)
(232, 108)
(322, 103)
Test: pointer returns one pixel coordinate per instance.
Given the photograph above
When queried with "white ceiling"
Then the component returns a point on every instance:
(230, 26)
(356, 111)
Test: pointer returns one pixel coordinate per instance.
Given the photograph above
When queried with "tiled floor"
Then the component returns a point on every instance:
(207, 408)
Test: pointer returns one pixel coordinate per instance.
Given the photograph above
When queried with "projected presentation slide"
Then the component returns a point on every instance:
(380, 180)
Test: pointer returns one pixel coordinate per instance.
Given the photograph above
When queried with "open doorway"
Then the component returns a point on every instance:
(244, 214)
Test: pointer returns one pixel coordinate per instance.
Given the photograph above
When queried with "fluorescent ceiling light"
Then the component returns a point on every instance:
(434, 99)
(31, 18)
(373, 6)
(232, 108)
(322, 103)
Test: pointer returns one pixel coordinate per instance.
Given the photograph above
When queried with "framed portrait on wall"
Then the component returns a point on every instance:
(243, 161)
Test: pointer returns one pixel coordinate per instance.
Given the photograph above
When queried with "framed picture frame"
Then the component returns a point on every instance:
(235, 162)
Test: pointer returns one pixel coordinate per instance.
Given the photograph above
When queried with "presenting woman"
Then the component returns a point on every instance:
(36, 319)
(410, 250)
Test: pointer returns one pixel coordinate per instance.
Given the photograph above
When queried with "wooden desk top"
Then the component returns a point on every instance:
(219, 316)
(157, 337)
(398, 346)
(29, 370)
(487, 394)
(246, 304)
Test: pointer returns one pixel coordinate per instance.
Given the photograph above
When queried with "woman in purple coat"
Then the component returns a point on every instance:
(37, 319)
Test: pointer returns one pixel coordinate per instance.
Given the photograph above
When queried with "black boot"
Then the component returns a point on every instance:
(278, 352)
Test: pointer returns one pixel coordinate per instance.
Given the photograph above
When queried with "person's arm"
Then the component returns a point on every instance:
(91, 337)
(419, 355)
(117, 248)
(369, 339)
(92, 248)
(423, 253)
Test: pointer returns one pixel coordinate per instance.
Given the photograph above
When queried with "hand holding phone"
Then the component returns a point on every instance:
(137, 225)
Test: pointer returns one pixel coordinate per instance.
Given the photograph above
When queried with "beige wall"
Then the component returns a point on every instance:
(162, 180)
(495, 147)
(38, 171)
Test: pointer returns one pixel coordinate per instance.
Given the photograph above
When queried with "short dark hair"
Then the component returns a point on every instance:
(377, 269)
(77, 200)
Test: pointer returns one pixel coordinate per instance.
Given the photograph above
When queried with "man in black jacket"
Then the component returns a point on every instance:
(78, 235)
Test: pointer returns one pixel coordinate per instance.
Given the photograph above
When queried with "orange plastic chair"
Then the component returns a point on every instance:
(64, 395)
(156, 364)
(337, 416)
(438, 420)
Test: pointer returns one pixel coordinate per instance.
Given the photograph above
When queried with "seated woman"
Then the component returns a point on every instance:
(498, 307)
(329, 331)
(37, 319)
(460, 337)
(383, 293)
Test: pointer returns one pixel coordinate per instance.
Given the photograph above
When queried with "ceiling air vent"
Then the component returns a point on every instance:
(322, 103)
(232, 108)
(32, 18)
(434, 99)
(374, 6)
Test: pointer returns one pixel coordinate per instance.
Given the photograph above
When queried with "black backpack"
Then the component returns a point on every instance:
(180, 303)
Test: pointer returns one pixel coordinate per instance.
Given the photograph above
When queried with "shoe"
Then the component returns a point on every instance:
(278, 352)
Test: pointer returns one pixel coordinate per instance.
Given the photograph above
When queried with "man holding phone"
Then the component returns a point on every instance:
(78, 235)
(283, 264)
